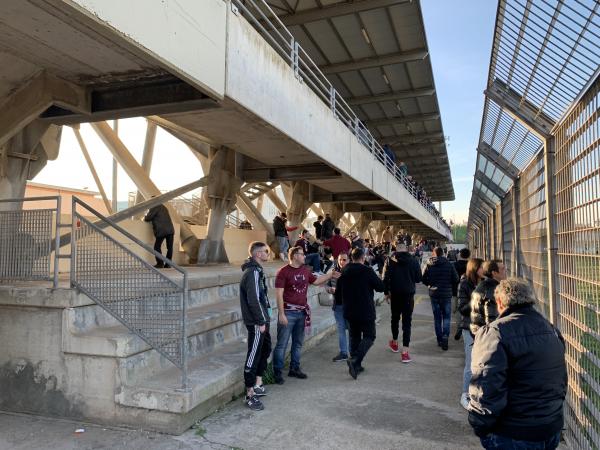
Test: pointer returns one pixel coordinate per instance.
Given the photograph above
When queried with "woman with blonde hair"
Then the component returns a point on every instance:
(466, 286)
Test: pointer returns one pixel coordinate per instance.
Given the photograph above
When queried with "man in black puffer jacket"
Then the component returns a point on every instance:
(483, 304)
(441, 277)
(400, 273)
(519, 379)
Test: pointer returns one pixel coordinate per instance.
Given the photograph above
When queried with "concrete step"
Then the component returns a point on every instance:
(214, 378)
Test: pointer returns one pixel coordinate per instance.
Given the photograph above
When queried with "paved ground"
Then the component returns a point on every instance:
(391, 406)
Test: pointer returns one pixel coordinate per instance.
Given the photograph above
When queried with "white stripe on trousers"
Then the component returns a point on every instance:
(254, 347)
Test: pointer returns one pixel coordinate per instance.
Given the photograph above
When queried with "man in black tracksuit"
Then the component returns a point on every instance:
(254, 302)
(356, 286)
(163, 230)
(400, 274)
(519, 377)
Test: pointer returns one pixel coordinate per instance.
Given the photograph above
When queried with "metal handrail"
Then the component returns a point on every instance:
(183, 286)
(57, 225)
(307, 70)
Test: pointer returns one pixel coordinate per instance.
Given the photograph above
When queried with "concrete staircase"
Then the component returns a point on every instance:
(144, 381)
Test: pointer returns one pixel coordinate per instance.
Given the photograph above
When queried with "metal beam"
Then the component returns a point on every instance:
(410, 138)
(403, 120)
(488, 183)
(357, 207)
(483, 198)
(520, 108)
(392, 96)
(289, 173)
(498, 160)
(368, 63)
(338, 9)
(419, 147)
(364, 196)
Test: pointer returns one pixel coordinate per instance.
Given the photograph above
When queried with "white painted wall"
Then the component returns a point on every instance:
(262, 82)
(186, 36)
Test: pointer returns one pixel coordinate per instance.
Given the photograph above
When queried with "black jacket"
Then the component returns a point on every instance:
(519, 379)
(254, 300)
(400, 273)
(440, 276)
(318, 229)
(327, 228)
(356, 286)
(465, 289)
(161, 221)
(483, 304)
(461, 268)
(279, 228)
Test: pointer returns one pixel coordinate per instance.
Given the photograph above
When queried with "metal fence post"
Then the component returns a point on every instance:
(516, 218)
(57, 226)
(296, 58)
(332, 94)
(184, 355)
(551, 238)
(73, 241)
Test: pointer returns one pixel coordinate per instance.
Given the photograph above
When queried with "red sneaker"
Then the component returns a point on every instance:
(393, 346)
(405, 357)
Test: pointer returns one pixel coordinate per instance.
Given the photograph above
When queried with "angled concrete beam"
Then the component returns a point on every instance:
(392, 96)
(403, 120)
(255, 216)
(520, 108)
(33, 98)
(498, 160)
(361, 196)
(180, 132)
(338, 9)
(148, 153)
(289, 173)
(367, 63)
(483, 178)
(279, 204)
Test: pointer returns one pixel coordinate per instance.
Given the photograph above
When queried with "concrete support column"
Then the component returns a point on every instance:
(335, 211)
(297, 197)
(221, 196)
(362, 225)
(23, 156)
(551, 237)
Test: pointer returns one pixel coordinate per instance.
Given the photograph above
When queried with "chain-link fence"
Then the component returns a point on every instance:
(111, 267)
(28, 238)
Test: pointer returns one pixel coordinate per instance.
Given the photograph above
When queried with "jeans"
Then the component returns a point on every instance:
(495, 441)
(442, 314)
(314, 260)
(295, 329)
(284, 244)
(158, 245)
(402, 305)
(342, 326)
(468, 340)
(362, 336)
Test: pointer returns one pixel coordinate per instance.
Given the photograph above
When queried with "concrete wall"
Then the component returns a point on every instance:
(186, 36)
(262, 82)
(236, 240)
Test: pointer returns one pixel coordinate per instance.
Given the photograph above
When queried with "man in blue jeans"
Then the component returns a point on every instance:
(291, 288)
(440, 276)
(338, 311)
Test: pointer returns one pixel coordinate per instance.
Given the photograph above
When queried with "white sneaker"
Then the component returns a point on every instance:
(464, 400)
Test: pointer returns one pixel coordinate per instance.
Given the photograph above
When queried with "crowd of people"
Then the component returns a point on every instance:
(514, 379)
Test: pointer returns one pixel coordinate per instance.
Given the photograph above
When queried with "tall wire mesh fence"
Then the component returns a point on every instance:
(120, 279)
(27, 239)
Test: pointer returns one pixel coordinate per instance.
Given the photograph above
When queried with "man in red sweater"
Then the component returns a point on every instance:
(338, 244)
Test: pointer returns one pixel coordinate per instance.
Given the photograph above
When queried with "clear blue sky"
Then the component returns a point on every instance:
(459, 34)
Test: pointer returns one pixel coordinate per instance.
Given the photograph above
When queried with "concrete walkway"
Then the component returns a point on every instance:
(391, 406)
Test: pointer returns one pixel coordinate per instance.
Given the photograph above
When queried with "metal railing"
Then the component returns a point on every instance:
(27, 240)
(117, 277)
(264, 19)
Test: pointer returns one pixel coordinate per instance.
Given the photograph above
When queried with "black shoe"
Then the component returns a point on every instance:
(351, 369)
(259, 391)
(360, 369)
(254, 403)
(458, 334)
(158, 266)
(444, 344)
(297, 373)
(439, 341)
(340, 357)
(278, 378)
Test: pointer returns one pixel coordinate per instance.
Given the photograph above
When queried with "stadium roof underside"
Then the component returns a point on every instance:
(544, 54)
(375, 54)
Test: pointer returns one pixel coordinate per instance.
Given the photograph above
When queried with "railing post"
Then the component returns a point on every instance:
(184, 355)
(73, 241)
(332, 94)
(296, 58)
(57, 226)
(551, 238)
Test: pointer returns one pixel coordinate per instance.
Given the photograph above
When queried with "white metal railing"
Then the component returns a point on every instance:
(264, 19)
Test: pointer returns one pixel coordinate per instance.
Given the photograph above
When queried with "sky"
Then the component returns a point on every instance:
(459, 35)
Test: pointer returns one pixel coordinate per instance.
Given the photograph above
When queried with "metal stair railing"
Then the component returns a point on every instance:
(260, 15)
(149, 303)
(27, 239)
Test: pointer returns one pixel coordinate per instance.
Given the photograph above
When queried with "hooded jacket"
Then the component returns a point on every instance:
(356, 286)
(441, 277)
(519, 379)
(483, 304)
(254, 300)
(465, 289)
(400, 273)
(161, 221)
